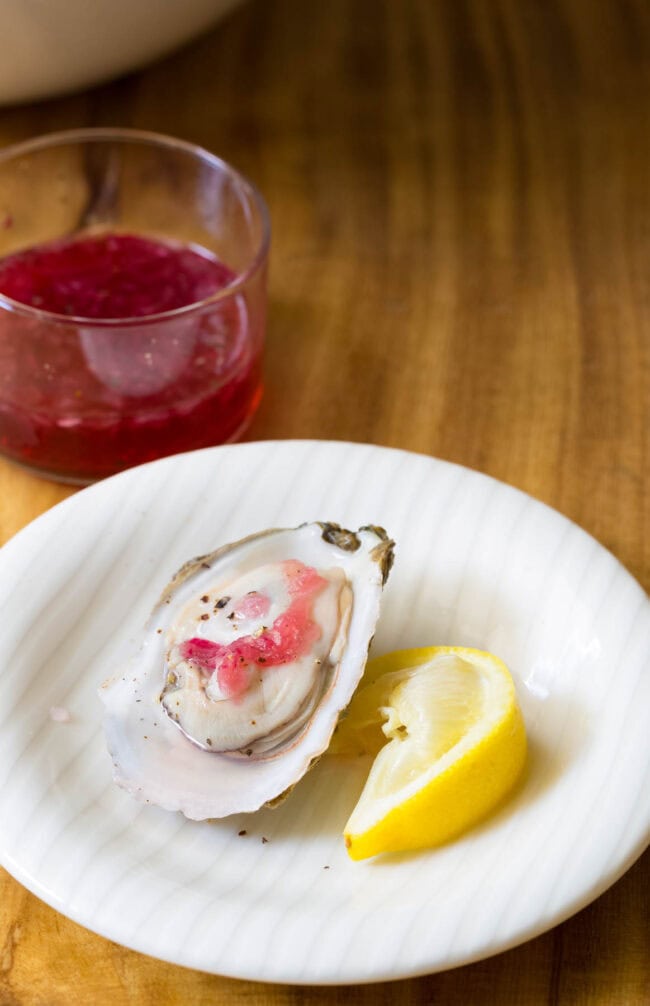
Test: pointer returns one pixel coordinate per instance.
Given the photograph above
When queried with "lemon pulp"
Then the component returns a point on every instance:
(449, 742)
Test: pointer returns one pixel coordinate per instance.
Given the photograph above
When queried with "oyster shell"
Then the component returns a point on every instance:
(247, 661)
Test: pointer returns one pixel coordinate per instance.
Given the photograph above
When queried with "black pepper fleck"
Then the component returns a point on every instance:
(222, 602)
(205, 617)
(208, 742)
(242, 832)
(264, 840)
(205, 598)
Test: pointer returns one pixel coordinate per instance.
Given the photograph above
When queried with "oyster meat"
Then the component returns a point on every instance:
(246, 663)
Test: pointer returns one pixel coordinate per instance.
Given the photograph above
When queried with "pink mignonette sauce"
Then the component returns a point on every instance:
(289, 638)
(113, 380)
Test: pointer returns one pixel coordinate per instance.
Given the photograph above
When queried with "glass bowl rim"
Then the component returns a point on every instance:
(152, 139)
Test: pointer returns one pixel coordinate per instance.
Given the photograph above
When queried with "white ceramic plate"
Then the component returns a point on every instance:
(58, 46)
(478, 564)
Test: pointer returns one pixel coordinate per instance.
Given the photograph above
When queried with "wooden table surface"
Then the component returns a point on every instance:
(460, 198)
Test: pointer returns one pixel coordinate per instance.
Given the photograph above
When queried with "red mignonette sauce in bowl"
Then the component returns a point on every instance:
(132, 301)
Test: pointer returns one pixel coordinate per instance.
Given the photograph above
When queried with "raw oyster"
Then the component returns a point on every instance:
(246, 663)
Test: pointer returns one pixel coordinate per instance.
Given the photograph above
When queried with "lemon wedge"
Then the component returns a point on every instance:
(449, 743)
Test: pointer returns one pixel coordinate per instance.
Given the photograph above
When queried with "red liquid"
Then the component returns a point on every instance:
(82, 400)
(292, 634)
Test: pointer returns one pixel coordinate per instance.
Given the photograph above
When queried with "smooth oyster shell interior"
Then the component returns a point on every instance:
(246, 663)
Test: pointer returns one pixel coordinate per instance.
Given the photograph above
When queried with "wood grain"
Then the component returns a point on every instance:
(460, 199)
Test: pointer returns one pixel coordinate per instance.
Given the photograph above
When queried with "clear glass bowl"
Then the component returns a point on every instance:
(82, 398)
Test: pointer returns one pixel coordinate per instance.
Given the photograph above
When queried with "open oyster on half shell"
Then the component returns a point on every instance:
(247, 661)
